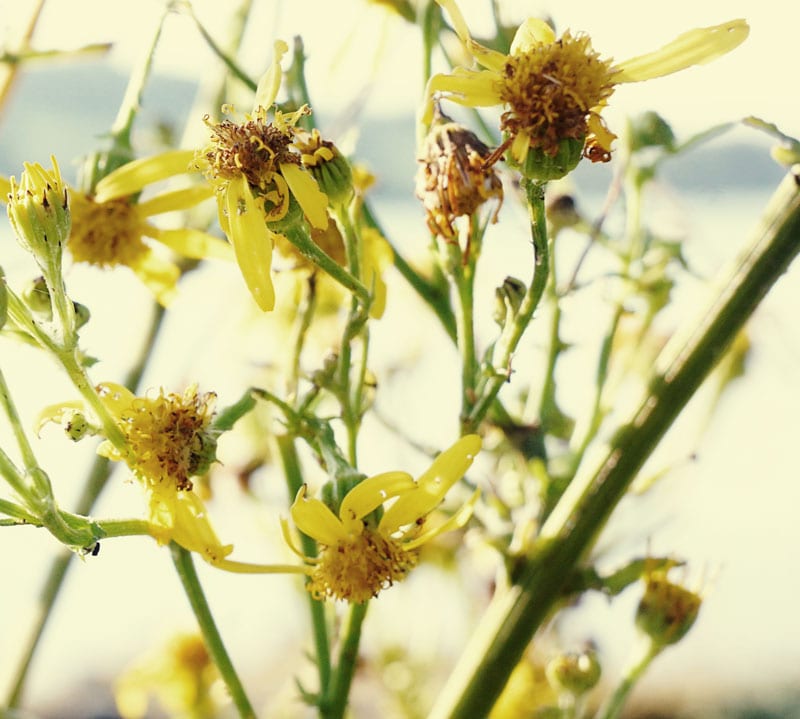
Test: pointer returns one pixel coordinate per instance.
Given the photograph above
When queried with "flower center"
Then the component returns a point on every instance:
(255, 148)
(551, 88)
(359, 567)
(167, 437)
(105, 234)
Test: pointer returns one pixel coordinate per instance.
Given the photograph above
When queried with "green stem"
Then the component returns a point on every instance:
(96, 481)
(25, 449)
(514, 615)
(336, 703)
(184, 565)
(294, 480)
(18, 514)
(612, 708)
(512, 332)
(464, 278)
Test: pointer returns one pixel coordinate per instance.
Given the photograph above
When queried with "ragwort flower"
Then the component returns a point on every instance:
(260, 182)
(362, 550)
(553, 90)
(110, 227)
(167, 440)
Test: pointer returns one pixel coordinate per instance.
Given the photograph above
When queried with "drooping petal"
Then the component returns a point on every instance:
(443, 473)
(314, 518)
(484, 55)
(159, 275)
(133, 176)
(455, 521)
(307, 193)
(370, 494)
(694, 47)
(251, 240)
(531, 33)
(176, 200)
(195, 244)
(377, 255)
(270, 81)
(473, 88)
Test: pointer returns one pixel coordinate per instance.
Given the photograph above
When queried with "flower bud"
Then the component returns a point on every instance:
(574, 673)
(328, 166)
(38, 209)
(667, 611)
(37, 296)
(541, 166)
(508, 298)
(649, 129)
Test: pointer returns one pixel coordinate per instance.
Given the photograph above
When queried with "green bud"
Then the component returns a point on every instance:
(574, 673)
(38, 209)
(667, 611)
(542, 167)
(651, 130)
(508, 299)
(82, 314)
(76, 426)
(37, 296)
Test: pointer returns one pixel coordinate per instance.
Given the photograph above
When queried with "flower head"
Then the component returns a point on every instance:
(363, 553)
(261, 185)
(453, 179)
(553, 90)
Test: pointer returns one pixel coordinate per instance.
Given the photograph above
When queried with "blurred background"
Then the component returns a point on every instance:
(728, 507)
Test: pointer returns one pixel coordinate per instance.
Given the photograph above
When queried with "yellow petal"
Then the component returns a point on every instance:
(473, 88)
(270, 82)
(194, 244)
(445, 471)
(193, 531)
(159, 275)
(314, 518)
(377, 256)
(133, 176)
(484, 55)
(251, 240)
(307, 193)
(691, 48)
(530, 34)
(457, 520)
(176, 200)
(370, 494)
(5, 189)
(115, 397)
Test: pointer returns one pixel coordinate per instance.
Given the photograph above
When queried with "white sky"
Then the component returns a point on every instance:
(345, 39)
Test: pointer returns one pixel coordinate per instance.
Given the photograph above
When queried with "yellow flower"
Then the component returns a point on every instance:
(554, 90)
(362, 554)
(168, 439)
(260, 181)
(109, 227)
(180, 675)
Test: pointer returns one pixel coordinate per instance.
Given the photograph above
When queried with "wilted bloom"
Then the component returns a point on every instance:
(262, 187)
(180, 675)
(364, 550)
(553, 91)
(168, 440)
(454, 179)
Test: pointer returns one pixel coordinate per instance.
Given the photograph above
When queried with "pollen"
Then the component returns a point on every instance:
(255, 148)
(550, 91)
(357, 568)
(168, 437)
(105, 234)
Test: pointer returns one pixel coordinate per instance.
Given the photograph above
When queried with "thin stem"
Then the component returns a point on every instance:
(18, 514)
(184, 565)
(514, 615)
(336, 703)
(294, 480)
(25, 449)
(464, 277)
(613, 707)
(513, 331)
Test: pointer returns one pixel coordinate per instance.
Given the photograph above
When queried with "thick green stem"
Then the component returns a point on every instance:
(336, 703)
(514, 615)
(184, 565)
(294, 480)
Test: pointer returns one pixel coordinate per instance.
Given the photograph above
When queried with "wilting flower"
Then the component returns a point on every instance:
(110, 227)
(454, 179)
(180, 675)
(362, 550)
(553, 90)
(260, 182)
(167, 439)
